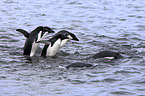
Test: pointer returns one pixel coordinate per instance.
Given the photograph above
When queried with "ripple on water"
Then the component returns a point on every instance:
(107, 80)
(125, 72)
(99, 24)
(122, 93)
(142, 82)
(2, 77)
(75, 81)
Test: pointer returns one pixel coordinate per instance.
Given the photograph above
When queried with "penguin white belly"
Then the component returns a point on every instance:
(63, 42)
(34, 48)
(52, 50)
(36, 45)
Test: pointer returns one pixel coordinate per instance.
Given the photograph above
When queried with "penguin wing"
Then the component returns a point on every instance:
(46, 42)
(25, 33)
(44, 51)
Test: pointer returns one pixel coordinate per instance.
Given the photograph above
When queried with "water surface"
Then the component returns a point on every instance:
(99, 24)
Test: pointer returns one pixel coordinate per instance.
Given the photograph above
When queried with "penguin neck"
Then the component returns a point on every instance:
(53, 47)
(57, 43)
(41, 36)
(54, 40)
(44, 35)
(63, 42)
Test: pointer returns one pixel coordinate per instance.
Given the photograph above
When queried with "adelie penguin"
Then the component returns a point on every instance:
(57, 41)
(31, 43)
(107, 55)
(79, 65)
(102, 54)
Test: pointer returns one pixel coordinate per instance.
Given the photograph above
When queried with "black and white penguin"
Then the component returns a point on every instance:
(79, 65)
(31, 44)
(57, 41)
(107, 55)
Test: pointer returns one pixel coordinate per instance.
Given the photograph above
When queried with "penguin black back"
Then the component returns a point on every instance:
(104, 54)
(79, 65)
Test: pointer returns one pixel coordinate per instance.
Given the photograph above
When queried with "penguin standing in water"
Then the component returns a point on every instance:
(31, 44)
(57, 41)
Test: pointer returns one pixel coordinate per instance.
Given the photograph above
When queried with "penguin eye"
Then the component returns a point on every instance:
(63, 37)
(66, 35)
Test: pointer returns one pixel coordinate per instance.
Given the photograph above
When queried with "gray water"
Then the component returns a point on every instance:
(115, 25)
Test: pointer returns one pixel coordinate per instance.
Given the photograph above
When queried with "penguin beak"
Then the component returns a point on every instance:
(75, 38)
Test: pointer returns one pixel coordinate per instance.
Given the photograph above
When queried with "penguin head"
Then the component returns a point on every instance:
(54, 38)
(47, 29)
(62, 36)
(42, 32)
(70, 36)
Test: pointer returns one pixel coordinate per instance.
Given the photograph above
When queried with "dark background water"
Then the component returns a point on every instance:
(116, 25)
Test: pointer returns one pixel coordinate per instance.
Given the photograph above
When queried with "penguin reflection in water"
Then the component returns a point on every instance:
(31, 43)
(57, 41)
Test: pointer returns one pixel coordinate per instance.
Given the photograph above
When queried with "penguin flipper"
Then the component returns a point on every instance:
(44, 50)
(25, 33)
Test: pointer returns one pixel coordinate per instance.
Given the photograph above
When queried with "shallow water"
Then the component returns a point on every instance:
(99, 24)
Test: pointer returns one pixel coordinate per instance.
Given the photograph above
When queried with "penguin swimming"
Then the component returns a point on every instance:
(107, 54)
(102, 54)
(57, 41)
(31, 43)
(79, 65)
